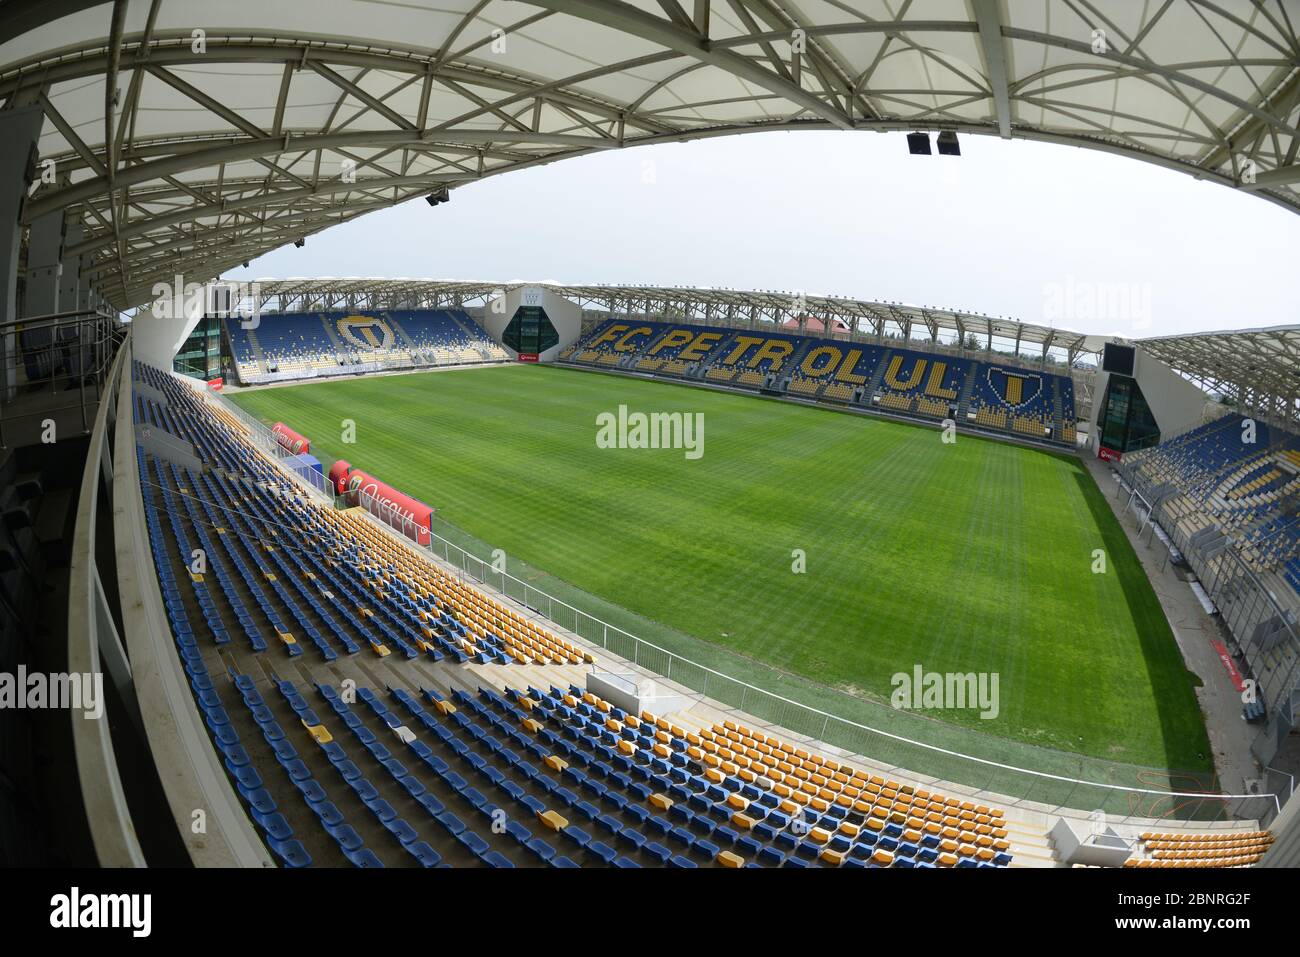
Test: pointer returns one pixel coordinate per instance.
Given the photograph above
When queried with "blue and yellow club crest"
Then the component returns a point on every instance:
(366, 333)
(1016, 389)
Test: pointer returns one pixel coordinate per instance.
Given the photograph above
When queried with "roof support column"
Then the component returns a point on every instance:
(19, 130)
(72, 287)
(44, 265)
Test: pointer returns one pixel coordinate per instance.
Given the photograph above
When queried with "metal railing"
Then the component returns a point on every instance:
(56, 355)
(997, 781)
(1263, 628)
(90, 628)
(1050, 787)
(263, 439)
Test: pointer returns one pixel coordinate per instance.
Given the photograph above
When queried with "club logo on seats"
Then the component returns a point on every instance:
(1017, 389)
(366, 333)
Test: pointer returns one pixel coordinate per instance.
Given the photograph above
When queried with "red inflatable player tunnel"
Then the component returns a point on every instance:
(409, 516)
(290, 440)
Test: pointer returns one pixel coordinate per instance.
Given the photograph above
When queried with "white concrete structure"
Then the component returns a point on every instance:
(565, 315)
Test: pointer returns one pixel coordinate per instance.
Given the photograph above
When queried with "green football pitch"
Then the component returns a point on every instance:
(823, 551)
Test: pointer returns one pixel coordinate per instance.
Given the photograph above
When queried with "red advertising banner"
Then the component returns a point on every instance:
(1231, 665)
(527, 356)
(1107, 455)
(289, 439)
(216, 384)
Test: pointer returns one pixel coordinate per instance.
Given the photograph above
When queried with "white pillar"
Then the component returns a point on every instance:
(19, 130)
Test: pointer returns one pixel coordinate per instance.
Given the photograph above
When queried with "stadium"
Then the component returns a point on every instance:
(402, 572)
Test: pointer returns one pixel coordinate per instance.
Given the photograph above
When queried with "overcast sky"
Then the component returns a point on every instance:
(1075, 238)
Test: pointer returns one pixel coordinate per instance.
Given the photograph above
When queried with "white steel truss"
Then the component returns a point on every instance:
(188, 136)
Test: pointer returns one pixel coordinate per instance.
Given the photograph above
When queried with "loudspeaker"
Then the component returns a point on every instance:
(918, 144)
(948, 144)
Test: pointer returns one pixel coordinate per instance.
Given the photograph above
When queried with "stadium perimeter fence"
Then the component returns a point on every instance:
(1262, 627)
(999, 770)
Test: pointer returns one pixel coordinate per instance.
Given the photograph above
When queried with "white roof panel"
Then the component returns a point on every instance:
(226, 148)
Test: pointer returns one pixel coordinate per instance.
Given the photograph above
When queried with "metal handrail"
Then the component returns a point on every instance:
(1223, 583)
(99, 333)
(107, 813)
(391, 519)
(28, 321)
(376, 510)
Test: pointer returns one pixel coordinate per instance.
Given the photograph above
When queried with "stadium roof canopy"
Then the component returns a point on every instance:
(1259, 368)
(189, 136)
(725, 306)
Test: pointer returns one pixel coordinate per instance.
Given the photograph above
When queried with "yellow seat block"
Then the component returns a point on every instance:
(737, 801)
(555, 762)
(444, 707)
(714, 775)
(626, 747)
(531, 725)
(819, 835)
(320, 734)
(662, 801)
(832, 857)
(728, 859)
(743, 821)
(553, 820)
